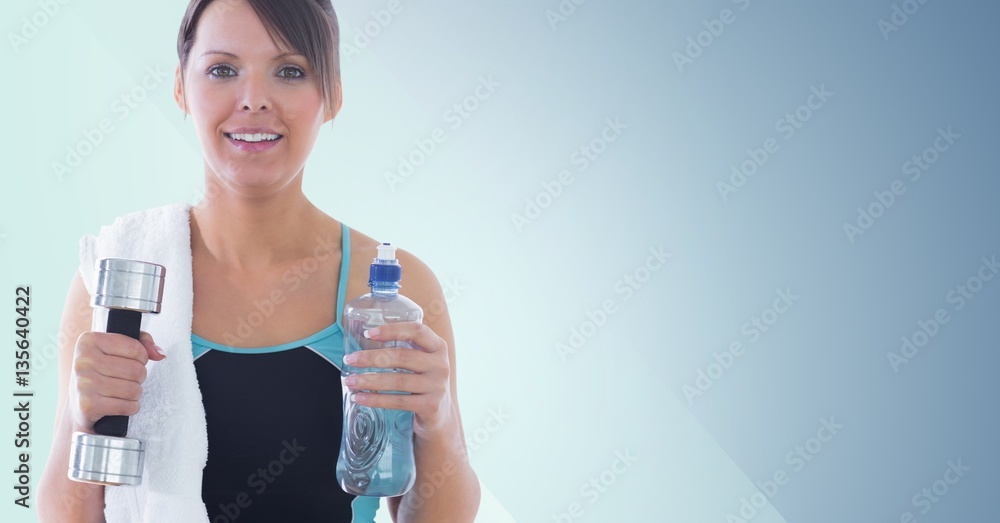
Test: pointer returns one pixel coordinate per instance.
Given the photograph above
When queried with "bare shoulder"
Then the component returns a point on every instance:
(419, 282)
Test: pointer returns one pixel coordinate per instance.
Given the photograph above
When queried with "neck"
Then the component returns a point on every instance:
(245, 233)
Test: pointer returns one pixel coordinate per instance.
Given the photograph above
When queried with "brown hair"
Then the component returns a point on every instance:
(309, 27)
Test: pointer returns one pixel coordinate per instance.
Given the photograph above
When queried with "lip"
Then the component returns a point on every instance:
(253, 147)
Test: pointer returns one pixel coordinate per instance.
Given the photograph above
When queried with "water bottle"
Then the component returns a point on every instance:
(376, 448)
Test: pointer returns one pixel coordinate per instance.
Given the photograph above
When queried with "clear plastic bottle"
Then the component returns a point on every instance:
(376, 449)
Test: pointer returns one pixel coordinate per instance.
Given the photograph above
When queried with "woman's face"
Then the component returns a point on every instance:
(257, 109)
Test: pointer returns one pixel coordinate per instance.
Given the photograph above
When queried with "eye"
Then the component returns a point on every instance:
(221, 71)
(292, 73)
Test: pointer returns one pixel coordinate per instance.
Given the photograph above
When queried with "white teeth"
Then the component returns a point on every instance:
(258, 137)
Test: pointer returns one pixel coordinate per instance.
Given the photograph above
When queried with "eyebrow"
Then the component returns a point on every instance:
(231, 55)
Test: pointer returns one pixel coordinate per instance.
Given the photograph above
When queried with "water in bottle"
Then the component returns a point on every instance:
(376, 449)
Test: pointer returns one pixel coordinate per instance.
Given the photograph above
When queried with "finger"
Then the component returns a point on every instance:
(96, 407)
(420, 335)
(409, 359)
(120, 368)
(95, 363)
(109, 388)
(116, 345)
(153, 350)
(411, 402)
(390, 381)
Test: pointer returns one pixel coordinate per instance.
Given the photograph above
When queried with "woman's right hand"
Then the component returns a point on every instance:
(107, 375)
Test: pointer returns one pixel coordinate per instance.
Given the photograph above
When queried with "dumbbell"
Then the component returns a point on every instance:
(127, 289)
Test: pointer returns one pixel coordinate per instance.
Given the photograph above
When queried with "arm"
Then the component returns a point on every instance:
(444, 476)
(100, 374)
(59, 498)
(446, 489)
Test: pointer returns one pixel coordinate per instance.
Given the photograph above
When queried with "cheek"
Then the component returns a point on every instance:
(208, 110)
(305, 110)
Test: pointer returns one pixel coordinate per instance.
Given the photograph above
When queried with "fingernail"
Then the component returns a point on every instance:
(159, 350)
(371, 332)
(350, 381)
(351, 358)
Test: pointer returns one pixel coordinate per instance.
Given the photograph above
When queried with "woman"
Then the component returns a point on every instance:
(259, 78)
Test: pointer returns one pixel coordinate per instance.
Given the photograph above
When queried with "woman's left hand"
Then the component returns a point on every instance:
(429, 385)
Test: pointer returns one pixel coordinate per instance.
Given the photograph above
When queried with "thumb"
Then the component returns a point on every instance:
(154, 350)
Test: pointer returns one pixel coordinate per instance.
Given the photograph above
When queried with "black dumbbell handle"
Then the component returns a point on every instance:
(127, 322)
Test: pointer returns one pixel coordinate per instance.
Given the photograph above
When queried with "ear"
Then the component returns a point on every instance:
(179, 90)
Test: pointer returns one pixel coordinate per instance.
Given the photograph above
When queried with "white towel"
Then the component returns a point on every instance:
(171, 419)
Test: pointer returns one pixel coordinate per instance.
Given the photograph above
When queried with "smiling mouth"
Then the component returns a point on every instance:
(253, 138)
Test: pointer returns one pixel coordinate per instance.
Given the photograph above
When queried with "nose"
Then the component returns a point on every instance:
(255, 95)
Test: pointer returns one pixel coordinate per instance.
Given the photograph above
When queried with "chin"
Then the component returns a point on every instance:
(254, 180)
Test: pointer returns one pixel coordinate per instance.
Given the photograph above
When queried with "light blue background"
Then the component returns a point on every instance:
(521, 292)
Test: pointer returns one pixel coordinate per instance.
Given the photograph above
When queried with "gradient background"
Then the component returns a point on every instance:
(522, 291)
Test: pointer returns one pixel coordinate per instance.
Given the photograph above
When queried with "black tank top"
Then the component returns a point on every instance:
(274, 419)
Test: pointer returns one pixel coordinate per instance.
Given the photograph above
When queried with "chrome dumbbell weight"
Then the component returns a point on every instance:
(127, 289)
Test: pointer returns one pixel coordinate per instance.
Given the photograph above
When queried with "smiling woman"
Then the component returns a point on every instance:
(264, 351)
(258, 77)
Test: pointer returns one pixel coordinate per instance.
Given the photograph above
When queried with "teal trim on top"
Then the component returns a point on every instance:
(196, 349)
(326, 332)
(345, 264)
(201, 345)
(364, 509)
